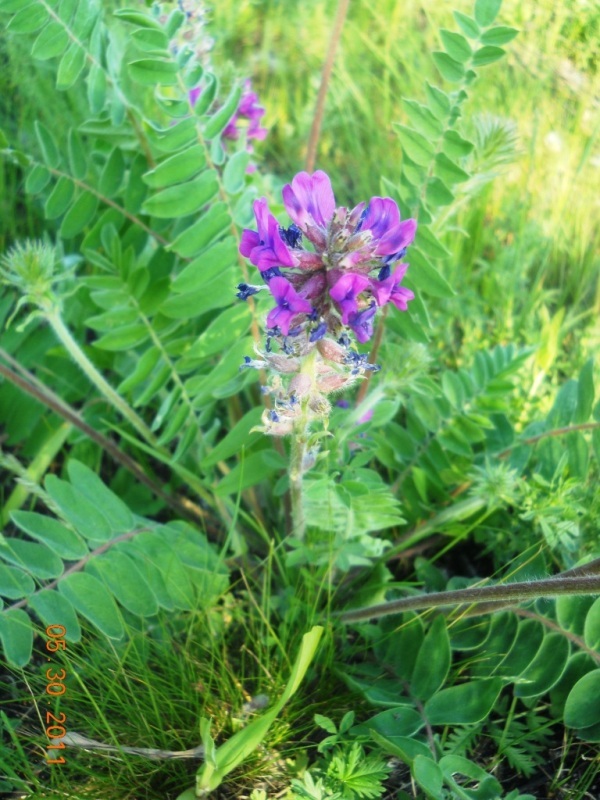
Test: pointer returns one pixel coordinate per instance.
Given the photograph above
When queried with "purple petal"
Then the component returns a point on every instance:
(309, 199)
(390, 234)
(345, 292)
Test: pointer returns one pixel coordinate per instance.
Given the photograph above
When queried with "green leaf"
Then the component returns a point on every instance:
(172, 573)
(499, 35)
(11, 6)
(16, 633)
(125, 581)
(152, 71)
(463, 704)
(182, 134)
(238, 437)
(48, 145)
(448, 171)
(582, 709)
(488, 788)
(15, 583)
(426, 277)
(591, 631)
(208, 266)
(82, 513)
(248, 472)
(437, 193)
(125, 338)
(96, 89)
(36, 559)
(52, 41)
(571, 611)
(139, 18)
(530, 636)
(66, 9)
(93, 601)
(113, 173)
(183, 199)
(429, 776)
(77, 156)
(60, 198)
(487, 55)
(456, 46)
(454, 146)
(546, 668)
(144, 366)
(486, 11)
(433, 661)
(468, 25)
(239, 746)
(423, 119)
(64, 542)
(29, 19)
(176, 422)
(195, 238)
(79, 215)
(439, 101)
(37, 179)
(219, 121)
(207, 96)
(416, 146)
(585, 393)
(177, 168)
(85, 480)
(70, 67)
(234, 174)
(449, 69)
(52, 608)
(230, 325)
(152, 41)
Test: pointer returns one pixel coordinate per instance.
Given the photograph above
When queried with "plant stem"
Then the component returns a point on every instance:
(79, 357)
(315, 131)
(297, 454)
(298, 451)
(511, 593)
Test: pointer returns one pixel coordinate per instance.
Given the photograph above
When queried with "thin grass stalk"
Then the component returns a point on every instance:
(315, 131)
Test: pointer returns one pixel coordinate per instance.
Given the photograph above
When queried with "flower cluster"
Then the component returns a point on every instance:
(353, 267)
(324, 292)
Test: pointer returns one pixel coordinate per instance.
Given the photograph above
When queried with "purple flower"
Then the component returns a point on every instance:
(362, 323)
(265, 248)
(289, 303)
(346, 290)
(309, 200)
(390, 234)
(382, 289)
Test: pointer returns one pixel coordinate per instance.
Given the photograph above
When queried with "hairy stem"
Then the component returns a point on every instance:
(79, 357)
(513, 593)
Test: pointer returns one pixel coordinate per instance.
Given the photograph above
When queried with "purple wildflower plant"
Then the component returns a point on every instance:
(334, 269)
